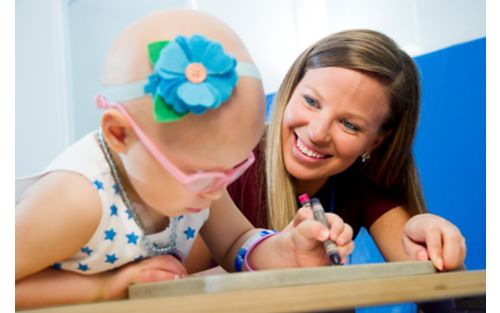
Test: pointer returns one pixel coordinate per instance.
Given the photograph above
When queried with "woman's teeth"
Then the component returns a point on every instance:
(306, 151)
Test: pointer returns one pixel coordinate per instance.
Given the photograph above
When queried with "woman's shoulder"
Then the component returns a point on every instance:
(363, 195)
(248, 190)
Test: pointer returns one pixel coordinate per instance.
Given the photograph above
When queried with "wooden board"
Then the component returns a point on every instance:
(277, 278)
(302, 298)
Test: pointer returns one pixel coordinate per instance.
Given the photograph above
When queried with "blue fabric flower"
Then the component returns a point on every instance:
(192, 75)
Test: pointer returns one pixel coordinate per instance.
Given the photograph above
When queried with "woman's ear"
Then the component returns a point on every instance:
(380, 138)
(117, 131)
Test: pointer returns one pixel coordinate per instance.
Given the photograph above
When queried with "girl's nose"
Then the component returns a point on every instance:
(213, 194)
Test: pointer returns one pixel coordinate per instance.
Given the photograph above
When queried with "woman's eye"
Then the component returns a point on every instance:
(350, 125)
(311, 102)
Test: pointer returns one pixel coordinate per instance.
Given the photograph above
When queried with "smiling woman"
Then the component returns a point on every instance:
(342, 129)
(354, 95)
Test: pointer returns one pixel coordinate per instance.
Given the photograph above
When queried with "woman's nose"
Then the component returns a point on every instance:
(320, 132)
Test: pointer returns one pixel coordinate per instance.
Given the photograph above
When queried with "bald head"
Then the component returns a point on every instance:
(127, 59)
(237, 124)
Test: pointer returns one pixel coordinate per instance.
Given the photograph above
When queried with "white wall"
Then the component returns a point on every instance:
(60, 46)
(42, 117)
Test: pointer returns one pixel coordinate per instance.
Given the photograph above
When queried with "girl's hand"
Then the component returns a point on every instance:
(307, 237)
(428, 236)
(163, 267)
(56, 287)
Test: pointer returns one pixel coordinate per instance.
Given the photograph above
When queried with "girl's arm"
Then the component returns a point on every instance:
(299, 245)
(199, 258)
(55, 287)
(54, 219)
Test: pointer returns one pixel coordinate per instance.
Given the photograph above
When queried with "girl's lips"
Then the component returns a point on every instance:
(194, 210)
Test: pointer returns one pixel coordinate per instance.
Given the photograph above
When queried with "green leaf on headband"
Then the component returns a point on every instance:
(163, 112)
(154, 50)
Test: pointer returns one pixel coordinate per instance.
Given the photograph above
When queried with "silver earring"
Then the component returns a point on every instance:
(364, 157)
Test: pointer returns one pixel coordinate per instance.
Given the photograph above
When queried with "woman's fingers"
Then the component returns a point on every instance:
(454, 248)
(415, 250)
(442, 241)
(434, 243)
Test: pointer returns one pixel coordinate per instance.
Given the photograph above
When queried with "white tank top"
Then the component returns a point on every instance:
(118, 239)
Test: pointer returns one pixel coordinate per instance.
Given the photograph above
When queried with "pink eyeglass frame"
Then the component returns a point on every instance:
(220, 178)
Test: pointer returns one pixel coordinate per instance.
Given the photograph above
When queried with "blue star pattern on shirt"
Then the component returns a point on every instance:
(132, 238)
(114, 210)
(129, 213)
(111, 258)
(56, 266)
(116, 189)
(189, 232)
(87, 250)
(110, 234)
(83, 267)
(98, 184)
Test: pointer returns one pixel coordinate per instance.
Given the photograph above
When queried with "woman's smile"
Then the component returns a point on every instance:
(305, 153)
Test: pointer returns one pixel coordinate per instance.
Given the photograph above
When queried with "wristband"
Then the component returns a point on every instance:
(252, 242)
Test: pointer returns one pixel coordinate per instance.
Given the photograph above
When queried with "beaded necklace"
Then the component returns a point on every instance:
(153, 248)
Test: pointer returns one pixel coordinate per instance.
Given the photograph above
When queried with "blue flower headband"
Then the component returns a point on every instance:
(190, 75)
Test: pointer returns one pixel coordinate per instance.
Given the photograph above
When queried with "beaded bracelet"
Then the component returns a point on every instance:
(248, 246)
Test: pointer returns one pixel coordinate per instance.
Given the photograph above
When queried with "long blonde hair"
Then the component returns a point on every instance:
(392, 164)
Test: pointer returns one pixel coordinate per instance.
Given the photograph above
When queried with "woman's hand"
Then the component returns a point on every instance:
(428, 236)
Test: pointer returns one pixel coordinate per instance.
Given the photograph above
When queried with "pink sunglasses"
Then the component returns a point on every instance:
(198, 182)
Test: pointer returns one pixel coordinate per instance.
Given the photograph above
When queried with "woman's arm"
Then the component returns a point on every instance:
(421, 237)
(387, 232)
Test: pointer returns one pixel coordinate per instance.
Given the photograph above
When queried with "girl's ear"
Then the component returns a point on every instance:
(117, 131)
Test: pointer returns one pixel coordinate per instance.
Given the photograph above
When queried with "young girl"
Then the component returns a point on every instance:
(153, 176)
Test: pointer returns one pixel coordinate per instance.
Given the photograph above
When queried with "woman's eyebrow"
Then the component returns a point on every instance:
(313, 90)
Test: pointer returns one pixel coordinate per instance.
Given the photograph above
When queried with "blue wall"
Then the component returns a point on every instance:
(450, 147)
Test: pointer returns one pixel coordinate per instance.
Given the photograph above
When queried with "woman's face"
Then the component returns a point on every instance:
(334, 115)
